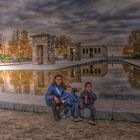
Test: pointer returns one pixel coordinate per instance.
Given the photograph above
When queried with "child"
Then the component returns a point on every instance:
(71, 99)
(87, 98)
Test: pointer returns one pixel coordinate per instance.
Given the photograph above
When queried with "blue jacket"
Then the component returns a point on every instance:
(53, 91)
(70, 98)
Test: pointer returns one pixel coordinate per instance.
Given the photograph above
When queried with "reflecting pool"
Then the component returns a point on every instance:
(111, 81)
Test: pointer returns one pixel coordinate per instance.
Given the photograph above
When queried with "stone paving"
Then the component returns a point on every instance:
(15, 125)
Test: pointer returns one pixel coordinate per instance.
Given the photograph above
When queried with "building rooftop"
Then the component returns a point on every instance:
(93, 46)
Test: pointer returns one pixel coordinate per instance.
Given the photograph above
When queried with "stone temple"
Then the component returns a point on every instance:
(43, 50)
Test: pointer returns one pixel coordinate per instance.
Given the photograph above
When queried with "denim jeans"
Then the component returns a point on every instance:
(51, 103)
(92, 110)
(74, 110)
(91, 107)
(71, 109)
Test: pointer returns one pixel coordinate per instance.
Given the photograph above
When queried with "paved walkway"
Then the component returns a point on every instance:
(15, 125)
(105, 109)
(135, 62)
(58, 65)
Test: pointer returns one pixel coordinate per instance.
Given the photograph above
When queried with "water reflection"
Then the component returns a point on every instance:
(94, 70)
(133, 75)
(103, 77)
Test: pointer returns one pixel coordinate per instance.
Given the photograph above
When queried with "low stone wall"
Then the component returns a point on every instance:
(117, 110)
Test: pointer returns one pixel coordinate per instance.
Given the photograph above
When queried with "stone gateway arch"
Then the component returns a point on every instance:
(43, 49)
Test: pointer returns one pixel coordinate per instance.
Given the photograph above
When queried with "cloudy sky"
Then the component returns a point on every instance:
(89, 21)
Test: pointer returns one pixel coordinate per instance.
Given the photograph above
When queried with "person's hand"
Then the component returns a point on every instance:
(56, 99)
(62, 101)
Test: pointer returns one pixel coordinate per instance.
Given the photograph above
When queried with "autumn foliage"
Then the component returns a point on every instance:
(21, 49)
(127, 51)
(133, 49)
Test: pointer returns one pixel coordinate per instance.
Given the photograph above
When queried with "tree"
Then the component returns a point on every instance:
(127, 51)
(25, 49)
(136, 47)
(134, 42)
(134, 77)
(20, 46)
(13, 48)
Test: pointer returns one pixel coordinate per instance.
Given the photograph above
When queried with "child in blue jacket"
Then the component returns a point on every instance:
(71, 99)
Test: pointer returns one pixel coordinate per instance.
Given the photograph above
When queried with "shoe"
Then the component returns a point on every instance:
(76, 120)
(80, 119)
(92, 122)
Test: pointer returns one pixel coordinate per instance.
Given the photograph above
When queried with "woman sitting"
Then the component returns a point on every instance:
(54, 94)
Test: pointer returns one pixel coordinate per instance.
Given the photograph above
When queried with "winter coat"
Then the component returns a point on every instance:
(54, 90)
(70, 98)
(87, 98)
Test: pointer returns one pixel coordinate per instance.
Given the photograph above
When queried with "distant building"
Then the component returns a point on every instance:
(20, 35)
(93, 51)
(77, 51)
(2, 39)
(16, 35)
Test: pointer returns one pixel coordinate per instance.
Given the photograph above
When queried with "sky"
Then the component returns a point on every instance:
(87, 21)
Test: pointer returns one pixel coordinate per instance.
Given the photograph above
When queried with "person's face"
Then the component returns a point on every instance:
(88, 88)
(69, 89)
(58, 81)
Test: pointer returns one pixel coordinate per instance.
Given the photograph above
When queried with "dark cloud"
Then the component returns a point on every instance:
(83, 20)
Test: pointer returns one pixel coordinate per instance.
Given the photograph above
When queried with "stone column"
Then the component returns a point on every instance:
(78, 51)
(74, 52)
(69, 57)
(50, 50)
(34, 54)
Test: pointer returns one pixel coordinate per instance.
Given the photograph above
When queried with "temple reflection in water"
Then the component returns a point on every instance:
(36, 82)
(94, 70)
